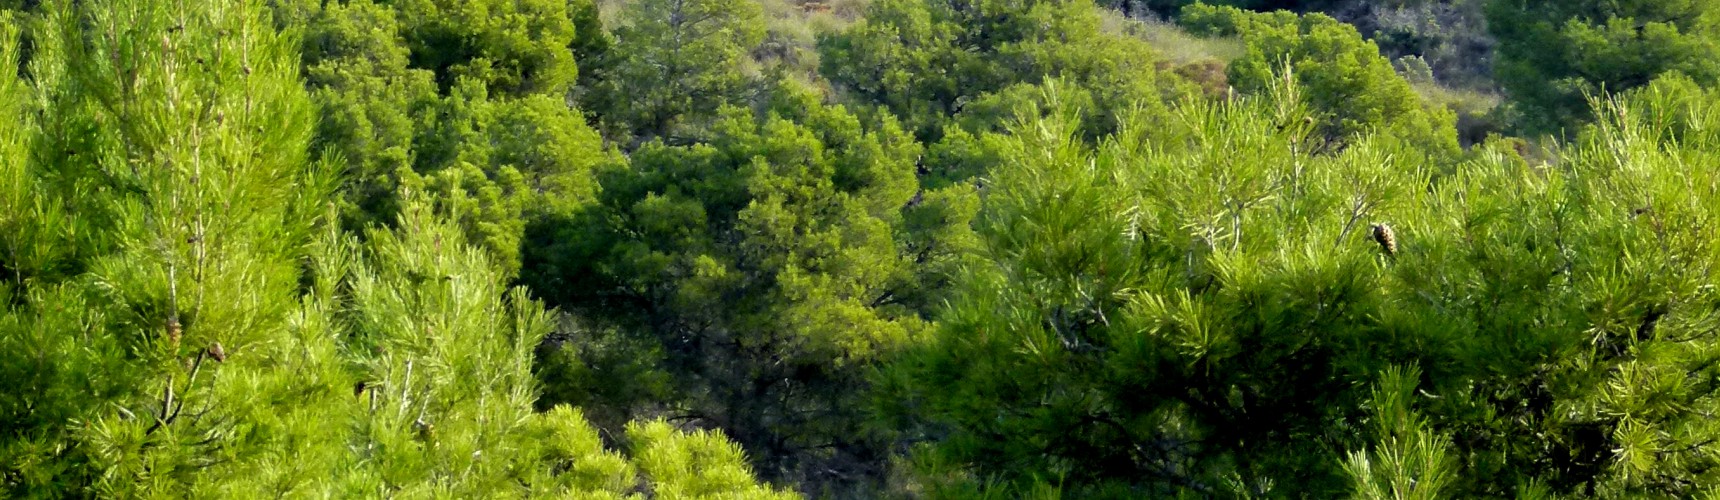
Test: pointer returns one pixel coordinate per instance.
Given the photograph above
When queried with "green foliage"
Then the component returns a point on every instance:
(222, 335)
(1171, 7)
(1409, 462)
(771, 266)
(1353, 90)
(261, 248)
(696, 465)
(677, 63)
(613, 375)
(1450, 35)
(158, 134)
(591, 43)
(1192, 306)
(514, 47)
(463, 99)
(925, 61)
(1646, 307)
(29, 245)
(359, 74)
(1553, 56)
(495, 164)
(1111, 343)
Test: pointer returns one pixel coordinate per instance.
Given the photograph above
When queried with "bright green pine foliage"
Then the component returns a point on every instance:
(514, 47)
(261, 248)
(674, 65)
(697, 465)
(173, 138)
(444, 353)
(464, 99)
(770, 266)
(1408, 461)
(225, 337)
(926, 61)
(358, 70)
(51, 377)
(1351, 88)
(1627, 248)
(1197, 306)
(1554, 55)
(1145, 325)
(30, 247)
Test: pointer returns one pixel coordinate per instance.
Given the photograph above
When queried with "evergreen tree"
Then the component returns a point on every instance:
(1555, 55)
(359, 71)
(1350, 87)
(269, 248)
(926, 61)
(1147, 328)
(220, 334)
(674, 64)
(1594, 303)
(514, 47)
(1195, 308)
(465, 99)
(174, 139)
(1409, 461)
(768, 267)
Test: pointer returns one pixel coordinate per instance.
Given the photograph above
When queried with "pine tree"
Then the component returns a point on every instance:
(1196, 308)
(269, 248)
(1554, 56)
(1161, 314)
(221, 334)
(1351, 88)
(174, 139)
(1410, 462)
(928, 61)
(465, 99)
(767, 271)
(675, 63)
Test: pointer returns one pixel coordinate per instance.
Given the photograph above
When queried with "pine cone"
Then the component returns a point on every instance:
(426, 430)
(1386, 238)
(215, 351)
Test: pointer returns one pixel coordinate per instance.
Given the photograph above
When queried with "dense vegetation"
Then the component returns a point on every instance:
(859, 249)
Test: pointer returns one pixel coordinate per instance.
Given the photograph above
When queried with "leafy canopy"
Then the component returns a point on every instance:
(1555, 55)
